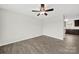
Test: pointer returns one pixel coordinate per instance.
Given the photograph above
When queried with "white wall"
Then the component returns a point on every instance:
(16, 26)
(17, 22)
(53, 27)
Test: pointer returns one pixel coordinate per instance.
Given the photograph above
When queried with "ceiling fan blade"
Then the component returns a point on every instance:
(35, 11)
(49, 10)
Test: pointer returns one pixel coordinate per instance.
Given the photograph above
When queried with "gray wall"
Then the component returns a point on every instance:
(16, 26)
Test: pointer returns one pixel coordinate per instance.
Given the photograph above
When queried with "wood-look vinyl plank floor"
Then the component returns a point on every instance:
(41, 45)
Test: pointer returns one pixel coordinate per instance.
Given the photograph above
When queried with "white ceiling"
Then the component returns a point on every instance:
(64, 9)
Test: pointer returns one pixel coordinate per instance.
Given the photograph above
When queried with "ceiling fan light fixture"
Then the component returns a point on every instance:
(43, 10)
(42, 13)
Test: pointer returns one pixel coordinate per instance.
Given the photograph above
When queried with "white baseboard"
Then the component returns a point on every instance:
(25, 38)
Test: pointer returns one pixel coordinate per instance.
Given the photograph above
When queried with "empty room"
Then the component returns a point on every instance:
(39, 28)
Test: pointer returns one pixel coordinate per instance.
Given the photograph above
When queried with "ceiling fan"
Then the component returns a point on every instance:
(43, 10)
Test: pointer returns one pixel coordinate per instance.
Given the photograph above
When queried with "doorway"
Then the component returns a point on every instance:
(71, 34)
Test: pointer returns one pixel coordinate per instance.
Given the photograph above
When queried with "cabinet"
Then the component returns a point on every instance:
(72, 31)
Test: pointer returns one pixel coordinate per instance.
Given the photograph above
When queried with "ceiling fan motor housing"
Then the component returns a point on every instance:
(43, 10)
